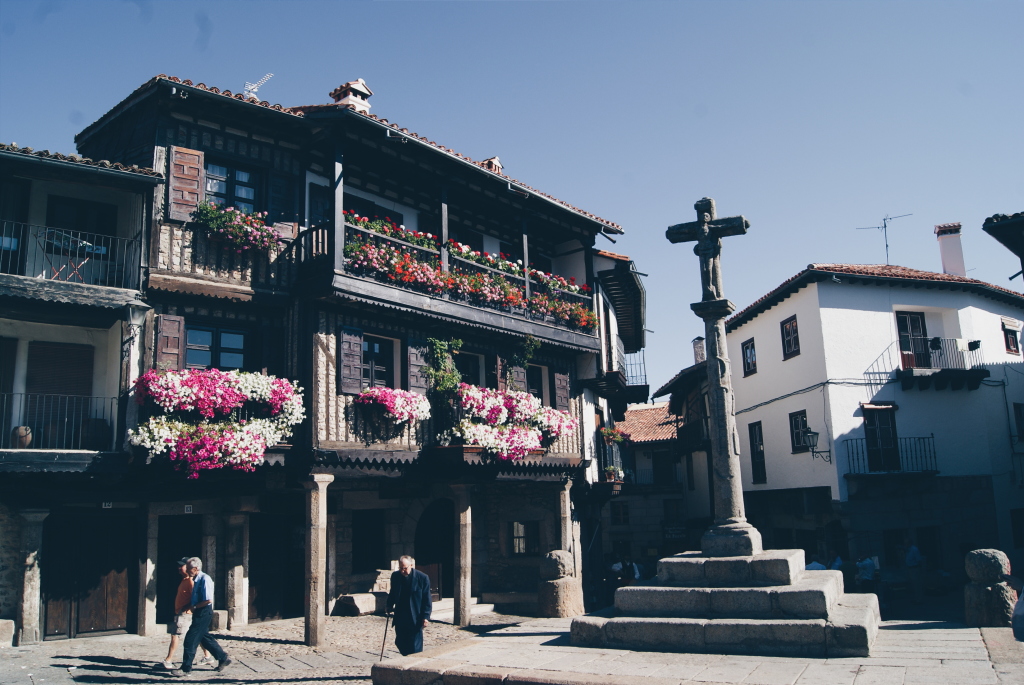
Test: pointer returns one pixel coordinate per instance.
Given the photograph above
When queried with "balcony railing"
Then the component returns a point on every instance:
(57, 422)
(940, 353)
(636, 368)
(58, 254)
(905, 455)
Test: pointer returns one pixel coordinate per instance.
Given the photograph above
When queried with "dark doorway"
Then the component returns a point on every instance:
(178, 536)
(914, 352)
(86, 586)
(277, 549)
(369, 548)
(882, 441)
(435, 545)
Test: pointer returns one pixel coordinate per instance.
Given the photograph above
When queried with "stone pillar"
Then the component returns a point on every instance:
(332, 562)
(236, 538)
(316, 557)
(147, 578)
(463, 555)
(29, 609)
(208, 551)
(566, 532)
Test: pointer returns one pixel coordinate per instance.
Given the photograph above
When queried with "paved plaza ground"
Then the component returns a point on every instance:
(517, 650)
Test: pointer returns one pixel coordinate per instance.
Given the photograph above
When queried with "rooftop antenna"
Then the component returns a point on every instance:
(251, 88)
(884, 228)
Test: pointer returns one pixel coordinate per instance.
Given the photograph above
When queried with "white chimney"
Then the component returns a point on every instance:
(699, 354)
(950, 249)
(354, 94)
(493, 164)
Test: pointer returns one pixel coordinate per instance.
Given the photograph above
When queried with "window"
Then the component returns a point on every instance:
(1018, 420)
(231, 187)
(1012, 339)
(535, 382)
(469, 366)
(880, 436)
(620, 513)
(798, 431)
(790, 338)
(691, 483)
(378, 362)
(525, 538)
(1017, 526)
(913, 336)
(757, 466)
(749, 358)
(214, 348)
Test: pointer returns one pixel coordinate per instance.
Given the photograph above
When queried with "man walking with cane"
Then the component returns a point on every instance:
(409, 598)
(202, 615)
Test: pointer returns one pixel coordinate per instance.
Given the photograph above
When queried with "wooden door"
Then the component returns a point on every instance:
(914, 352)
(882, 441)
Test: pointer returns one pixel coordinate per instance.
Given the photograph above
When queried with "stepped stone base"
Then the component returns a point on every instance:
(761, 604)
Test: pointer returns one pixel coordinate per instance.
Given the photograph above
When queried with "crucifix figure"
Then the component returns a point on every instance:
(730, 534)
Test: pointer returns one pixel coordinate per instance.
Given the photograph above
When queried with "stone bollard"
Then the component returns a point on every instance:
(560, 593)
(988, 602)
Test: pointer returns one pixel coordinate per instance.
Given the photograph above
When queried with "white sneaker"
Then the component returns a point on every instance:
(208, 660)
(169, 665)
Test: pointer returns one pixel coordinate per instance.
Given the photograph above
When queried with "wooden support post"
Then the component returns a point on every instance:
(463, 555)
(316, 557)
(29, 608)
(444, 228)
(338, 230)
(146, 615)
(236, 536)
(526, 258)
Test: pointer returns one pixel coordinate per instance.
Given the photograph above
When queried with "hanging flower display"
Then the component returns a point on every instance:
(614, 435)
(507, 424)
(201, 426)
(241, 230)
(401, 406)
(389, 228)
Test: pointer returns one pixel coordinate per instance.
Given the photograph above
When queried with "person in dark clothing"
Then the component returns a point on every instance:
(202, 614)
(409, 598)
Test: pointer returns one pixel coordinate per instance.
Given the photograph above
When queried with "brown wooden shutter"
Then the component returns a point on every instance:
(350, 361)
(170, 343)
(519, 379)
(561, 391)
(418, 366)
(499, 371)
(59, 369)
(185, 187)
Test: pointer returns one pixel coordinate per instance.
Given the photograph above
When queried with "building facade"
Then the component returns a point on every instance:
(347, 494)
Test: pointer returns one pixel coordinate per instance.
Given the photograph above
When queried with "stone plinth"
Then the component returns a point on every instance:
(988, 601)
(760, 604)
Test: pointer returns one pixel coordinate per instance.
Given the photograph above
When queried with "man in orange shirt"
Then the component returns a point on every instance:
(182, 615)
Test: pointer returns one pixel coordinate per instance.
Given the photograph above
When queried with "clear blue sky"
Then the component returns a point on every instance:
(809, 118)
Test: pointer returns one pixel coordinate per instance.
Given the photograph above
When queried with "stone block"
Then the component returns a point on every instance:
(795, 637)
(556, 564)
(560, 598)
(734, 602)
(538, 677)
(684, 570)
(587, 631)
(986, 565)
(777, 567)
(813, 596)
(669, 634)
(727, 571)
(852, 628)
(475, 675)
(360, 604)
(988, 606)
(639, 600)
(6, 633)
(411, 671)
(220, 620)
(867, 601)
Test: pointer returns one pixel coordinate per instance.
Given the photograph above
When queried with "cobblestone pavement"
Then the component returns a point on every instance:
(906, 653)
(268, 653)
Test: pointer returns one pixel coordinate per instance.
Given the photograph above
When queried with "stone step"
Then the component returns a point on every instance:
(769, 568)
(792, 637)
(813, 595)
(444, 610)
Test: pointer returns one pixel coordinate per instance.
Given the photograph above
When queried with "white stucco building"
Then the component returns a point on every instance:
(913, 382)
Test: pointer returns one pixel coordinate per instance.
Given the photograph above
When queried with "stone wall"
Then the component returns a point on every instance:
(10, 562)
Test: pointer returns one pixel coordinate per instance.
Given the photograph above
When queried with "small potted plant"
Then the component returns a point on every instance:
(614, 436)
(611, 474)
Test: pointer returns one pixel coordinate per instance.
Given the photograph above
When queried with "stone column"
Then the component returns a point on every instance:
(463, 555)
(147, 578)
(29, 608)
(332, 562)
(316, 557)
(566, 527)
(236, 537)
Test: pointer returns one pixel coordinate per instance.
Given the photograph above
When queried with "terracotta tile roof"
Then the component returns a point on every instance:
(649, 424)
(996, 218)
(301, 111)
(818, 272)
(612, 255)
(75, 159)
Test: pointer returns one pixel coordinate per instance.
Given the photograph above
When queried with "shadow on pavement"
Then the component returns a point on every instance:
(925, 625)
(226, 637)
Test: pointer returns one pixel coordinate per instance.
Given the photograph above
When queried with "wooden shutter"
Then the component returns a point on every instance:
(350, 361)
(418, 366)
(59, 369)
(282, 205)
(185, 187)
(561, 391)
(519, 379)
(499, 371)
(170, 343)
(272, 343)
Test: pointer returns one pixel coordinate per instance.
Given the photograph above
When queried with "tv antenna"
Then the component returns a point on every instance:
(884, 228)
(251, 88)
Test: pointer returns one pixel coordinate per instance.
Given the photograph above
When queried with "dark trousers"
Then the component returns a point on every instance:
(199, 632)
(408, 639)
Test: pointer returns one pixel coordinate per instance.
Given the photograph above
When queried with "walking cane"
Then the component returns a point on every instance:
(384, 641)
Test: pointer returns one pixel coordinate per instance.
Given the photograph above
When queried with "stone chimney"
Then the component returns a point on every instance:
(699, 354)
(354, 94)
(950, 249)
(493, 164)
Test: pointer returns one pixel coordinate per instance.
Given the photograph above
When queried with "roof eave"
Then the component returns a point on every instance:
(120, 174)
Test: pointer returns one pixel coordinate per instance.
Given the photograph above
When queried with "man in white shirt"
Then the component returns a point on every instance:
(202, 616)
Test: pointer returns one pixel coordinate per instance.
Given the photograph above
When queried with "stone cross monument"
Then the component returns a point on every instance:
(730, 534)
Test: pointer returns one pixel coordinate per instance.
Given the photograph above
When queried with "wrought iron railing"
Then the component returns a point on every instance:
(57, 422)
(940, 353)
(59, 254)
(905, 455)
(636, 368)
